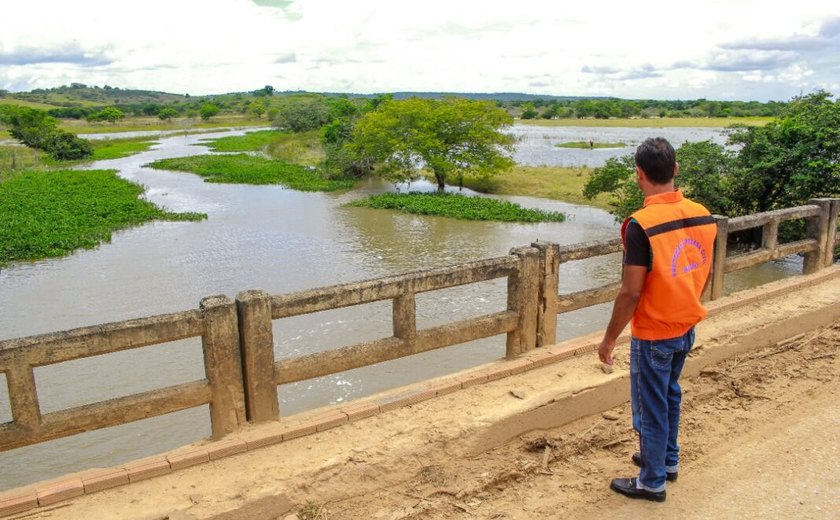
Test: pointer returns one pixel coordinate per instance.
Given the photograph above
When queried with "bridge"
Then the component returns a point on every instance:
(242, 374)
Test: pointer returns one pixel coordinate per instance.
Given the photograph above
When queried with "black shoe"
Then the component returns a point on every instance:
(670, 476)
(627, 487)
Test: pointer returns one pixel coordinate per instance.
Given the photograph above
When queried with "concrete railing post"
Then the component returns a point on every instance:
(547, 294)
(404, 316)
(256, 339)
(770, 235)
(719, 257)
(817, 228)
(23, 399)
(223, 365)
(523, 292)
(832, 231)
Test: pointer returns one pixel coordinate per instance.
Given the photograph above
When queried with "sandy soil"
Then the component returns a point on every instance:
(759, 438)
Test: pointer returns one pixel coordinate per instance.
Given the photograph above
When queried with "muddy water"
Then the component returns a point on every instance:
(280, 241)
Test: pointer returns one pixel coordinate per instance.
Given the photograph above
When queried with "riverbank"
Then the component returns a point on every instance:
(546, 182)
(139, 124)
(501, 449)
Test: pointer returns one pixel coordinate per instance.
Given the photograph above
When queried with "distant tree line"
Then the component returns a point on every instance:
(605, 108)
(75, 102)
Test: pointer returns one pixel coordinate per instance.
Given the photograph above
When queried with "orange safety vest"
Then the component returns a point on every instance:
(682, 238)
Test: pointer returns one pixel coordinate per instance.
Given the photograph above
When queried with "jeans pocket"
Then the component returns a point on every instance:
(661, 358)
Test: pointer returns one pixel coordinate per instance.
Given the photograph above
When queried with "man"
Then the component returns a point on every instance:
(668, 248)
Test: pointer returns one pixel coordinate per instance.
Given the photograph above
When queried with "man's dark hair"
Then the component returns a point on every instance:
(656, 157)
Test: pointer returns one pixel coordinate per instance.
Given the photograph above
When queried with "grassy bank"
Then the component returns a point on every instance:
(296, 148)
(135, 124)
(248, 169)
(104, 149)
(46, 214)
(458, 206)
(586, 145)
(15, 158)
(556, 183)
(662, 122)
(250, 142)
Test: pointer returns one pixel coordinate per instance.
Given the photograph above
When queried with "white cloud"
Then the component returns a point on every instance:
(714, 48)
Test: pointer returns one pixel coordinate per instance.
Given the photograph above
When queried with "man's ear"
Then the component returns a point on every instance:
(640, 174)
(676, 169)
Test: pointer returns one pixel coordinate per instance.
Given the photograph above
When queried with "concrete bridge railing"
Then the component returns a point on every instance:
(214, 322)
(242, 373)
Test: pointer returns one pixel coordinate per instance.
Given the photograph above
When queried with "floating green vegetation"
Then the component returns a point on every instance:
(248, 169)
(250, 142)
(587, 144)
(104, 149)
(458, 206)
(46, 214)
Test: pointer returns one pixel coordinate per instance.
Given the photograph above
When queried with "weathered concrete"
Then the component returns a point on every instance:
(242, 375)
(523, 294)
(766, 316)
(256, 338)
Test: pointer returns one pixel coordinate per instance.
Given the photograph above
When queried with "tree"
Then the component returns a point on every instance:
(301, 115)
(449, 137)
(110, 114)
(258, 108)
(792, 159)
(36, 129)
(707, 172)
(267, 90)
(617, 177)
(31, 127)
(529, 111)
(208, 110)
(167, 113)
(65, 146)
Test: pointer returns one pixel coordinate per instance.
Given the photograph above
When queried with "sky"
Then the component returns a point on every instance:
(677, 49)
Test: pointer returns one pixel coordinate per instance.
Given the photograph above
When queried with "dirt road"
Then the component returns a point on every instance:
(761, 439)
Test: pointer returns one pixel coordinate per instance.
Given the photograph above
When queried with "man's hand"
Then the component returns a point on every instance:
(632, 283)
(605, 351)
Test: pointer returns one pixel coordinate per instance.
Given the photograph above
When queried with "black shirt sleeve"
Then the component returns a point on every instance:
(636, 246)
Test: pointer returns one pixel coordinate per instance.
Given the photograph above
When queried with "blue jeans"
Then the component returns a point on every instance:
(655, 397)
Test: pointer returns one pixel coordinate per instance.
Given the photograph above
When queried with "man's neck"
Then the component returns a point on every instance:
(655, 189)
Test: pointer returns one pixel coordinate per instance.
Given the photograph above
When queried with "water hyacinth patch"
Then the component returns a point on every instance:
(45, 214)
(453, 205)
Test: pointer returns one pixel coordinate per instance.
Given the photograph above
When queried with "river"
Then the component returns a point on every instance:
(278, 240)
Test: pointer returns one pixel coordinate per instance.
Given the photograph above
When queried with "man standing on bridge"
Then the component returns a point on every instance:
(668, 248)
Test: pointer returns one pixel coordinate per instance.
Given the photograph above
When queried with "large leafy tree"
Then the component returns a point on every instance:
(38, 130)
(451, 138)
(301, 115)
(707, 172)
(110, 114)
(208, 110)
(792, 159)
